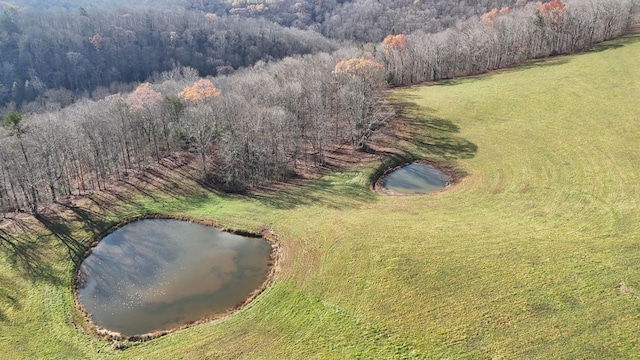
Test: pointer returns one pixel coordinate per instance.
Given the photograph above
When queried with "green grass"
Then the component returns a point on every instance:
(522, 259)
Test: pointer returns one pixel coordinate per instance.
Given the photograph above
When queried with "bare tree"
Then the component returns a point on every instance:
(13, 122)
(359, 94)
(200, 122)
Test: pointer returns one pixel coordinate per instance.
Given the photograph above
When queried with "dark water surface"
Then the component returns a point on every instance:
(415, 178)
(159, 274)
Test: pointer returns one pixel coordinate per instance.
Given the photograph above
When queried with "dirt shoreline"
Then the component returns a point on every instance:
(86, 322)
(448, 169)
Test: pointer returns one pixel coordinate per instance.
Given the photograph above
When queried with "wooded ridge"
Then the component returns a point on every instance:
(260, 123)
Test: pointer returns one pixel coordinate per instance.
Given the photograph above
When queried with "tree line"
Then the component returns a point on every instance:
(504, 37)
(356, 20)
(263, 123)
(256, 126)
(58, 51)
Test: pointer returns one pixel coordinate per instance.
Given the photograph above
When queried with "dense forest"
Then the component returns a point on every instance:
(95, 48)
(98, 51)
(251, 123)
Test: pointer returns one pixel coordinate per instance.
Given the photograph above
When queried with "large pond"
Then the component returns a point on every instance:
(154, 275)
(415, 178)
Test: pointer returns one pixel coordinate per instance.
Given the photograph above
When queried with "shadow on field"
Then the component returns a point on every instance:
(433, 135)
(57, 226)
(8, 298)
(339, 194)
(542, 63)
(27, 255)
(603, 47)
(458, 81)
(614, 44)
(92, 219)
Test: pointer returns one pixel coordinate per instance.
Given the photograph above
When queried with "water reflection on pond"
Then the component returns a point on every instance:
(158, 274)
(414, 178)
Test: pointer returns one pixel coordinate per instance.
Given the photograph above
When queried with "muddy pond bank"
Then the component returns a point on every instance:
(416, 177)
(153, 275)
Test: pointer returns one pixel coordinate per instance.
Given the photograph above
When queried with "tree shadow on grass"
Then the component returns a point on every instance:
(542, 63)
(91, 220)
(603, 47)
(28, 256)
(136, 193)
(175, 178)
(58, 227)
(614, 44)
(459, 80)
(171, 183)
(433, 136)
(27, 250)
(328, 192)
(8, 297)
(529, 64)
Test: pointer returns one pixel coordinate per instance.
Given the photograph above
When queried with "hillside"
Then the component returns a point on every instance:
(531, 255)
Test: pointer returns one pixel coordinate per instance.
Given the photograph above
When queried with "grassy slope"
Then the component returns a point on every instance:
(522, 259)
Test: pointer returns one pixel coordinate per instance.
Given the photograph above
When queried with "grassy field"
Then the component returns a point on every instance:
(534, 254)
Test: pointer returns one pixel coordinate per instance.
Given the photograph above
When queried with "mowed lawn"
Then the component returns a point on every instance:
(534, 254)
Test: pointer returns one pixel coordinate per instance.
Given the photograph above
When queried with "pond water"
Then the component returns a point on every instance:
(415, 178)
(155, 274)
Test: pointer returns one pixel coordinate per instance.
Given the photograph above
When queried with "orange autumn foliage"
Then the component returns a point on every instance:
(202, 89)
(395, 41)
(553, 7)
(359, 67)
(553, 13)
(488, 17)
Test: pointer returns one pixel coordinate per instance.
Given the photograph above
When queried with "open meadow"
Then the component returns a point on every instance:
(534, 253)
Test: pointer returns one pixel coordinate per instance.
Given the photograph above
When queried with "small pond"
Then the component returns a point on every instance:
(155, 274)
(415, 178)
